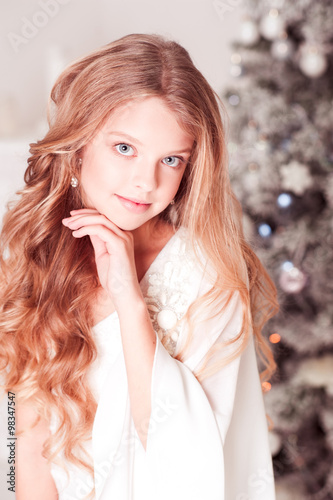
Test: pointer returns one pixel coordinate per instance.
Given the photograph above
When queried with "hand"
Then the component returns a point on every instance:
(114, 253)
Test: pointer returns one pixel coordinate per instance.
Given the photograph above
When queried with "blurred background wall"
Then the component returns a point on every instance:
(39, 37)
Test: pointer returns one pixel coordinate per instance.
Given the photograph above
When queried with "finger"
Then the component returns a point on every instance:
(79, 221)
(80, 212)
(83, 215)
(97, 230)
(109, 242)
(98, 245)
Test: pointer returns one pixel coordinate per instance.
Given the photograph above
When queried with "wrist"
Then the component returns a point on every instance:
(134, 315)
(132, 303)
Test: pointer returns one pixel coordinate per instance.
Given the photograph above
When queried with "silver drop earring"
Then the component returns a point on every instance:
(74, 182)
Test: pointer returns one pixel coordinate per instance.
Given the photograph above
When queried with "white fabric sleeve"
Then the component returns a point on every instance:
(189, 421)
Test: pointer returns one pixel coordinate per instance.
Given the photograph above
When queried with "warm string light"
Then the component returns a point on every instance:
(275, 338)
(266, 386)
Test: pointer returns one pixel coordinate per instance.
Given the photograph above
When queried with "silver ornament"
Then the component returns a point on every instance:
(292, 279)
(249, 32)
(272, 26)
(312, 61)
(282, 49)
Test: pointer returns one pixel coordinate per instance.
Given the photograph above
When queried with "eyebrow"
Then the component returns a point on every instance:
(132, 139)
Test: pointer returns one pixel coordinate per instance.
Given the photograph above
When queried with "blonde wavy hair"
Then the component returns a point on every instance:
(49, 278)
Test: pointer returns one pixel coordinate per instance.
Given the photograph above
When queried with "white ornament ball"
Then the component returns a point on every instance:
(312, 62)
(282, 49)
(315, 372)
(263, 144)
(249, 32)
(272, 26)
(236, 70)
(292, 280)
(296, 177)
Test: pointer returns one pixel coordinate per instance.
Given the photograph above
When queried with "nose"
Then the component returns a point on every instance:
(144, 175)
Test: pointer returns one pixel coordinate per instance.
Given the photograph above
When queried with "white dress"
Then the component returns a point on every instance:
(206, 441)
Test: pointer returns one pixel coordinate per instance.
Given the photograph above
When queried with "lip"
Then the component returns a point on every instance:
(133, 205)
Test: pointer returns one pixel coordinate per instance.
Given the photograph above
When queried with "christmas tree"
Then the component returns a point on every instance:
(281, 165)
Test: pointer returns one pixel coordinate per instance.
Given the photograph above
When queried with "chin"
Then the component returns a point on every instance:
(129, 225)
(132, 222)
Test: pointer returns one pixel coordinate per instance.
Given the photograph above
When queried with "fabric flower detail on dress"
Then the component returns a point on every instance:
(168, 295)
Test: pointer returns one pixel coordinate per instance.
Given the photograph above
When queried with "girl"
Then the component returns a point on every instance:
(131, 304)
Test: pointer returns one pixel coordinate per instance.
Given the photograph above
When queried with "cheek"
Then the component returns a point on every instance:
(168, 189)
(174, 183)
(99, 171)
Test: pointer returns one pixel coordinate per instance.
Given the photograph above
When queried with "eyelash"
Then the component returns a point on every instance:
(180, 158)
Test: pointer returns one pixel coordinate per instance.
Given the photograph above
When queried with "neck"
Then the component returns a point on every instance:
(144, 235)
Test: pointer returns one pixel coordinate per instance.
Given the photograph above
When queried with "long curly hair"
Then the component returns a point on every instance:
(49, 279)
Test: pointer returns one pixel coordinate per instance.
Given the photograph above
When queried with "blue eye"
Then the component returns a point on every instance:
(124, 149)
(172, 161)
